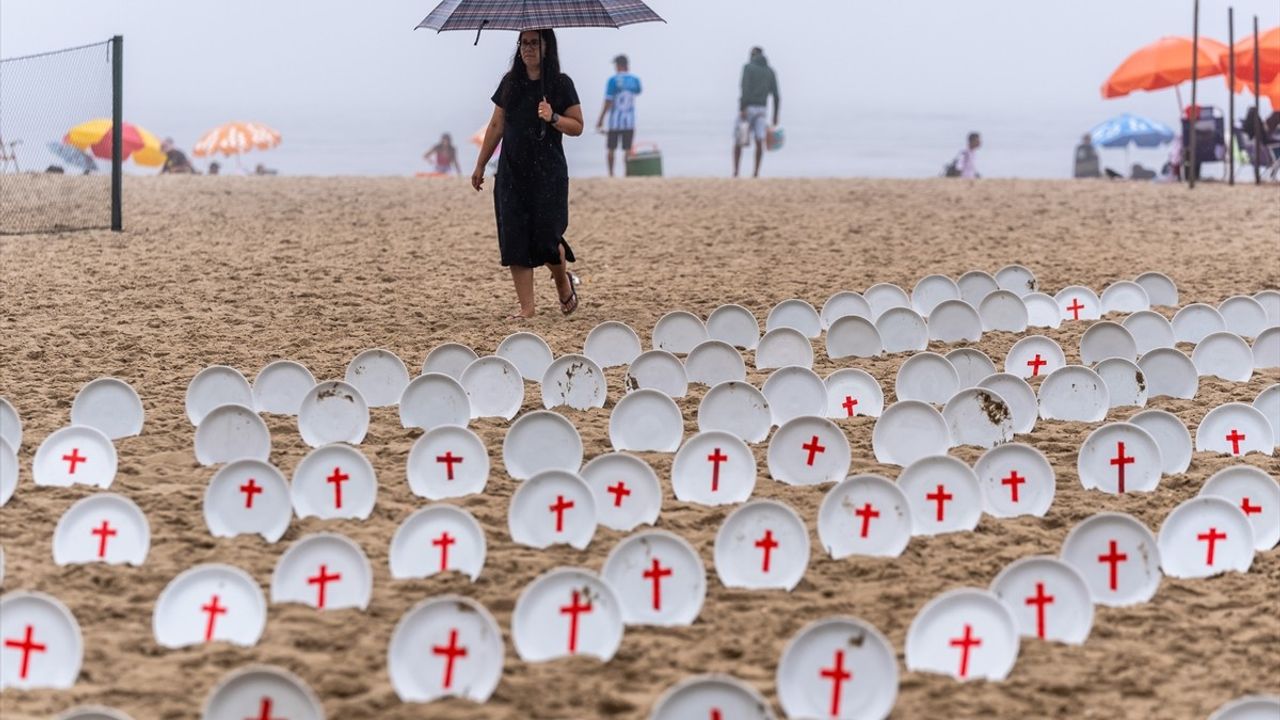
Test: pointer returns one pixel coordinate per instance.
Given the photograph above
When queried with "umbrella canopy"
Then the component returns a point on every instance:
(1164, 63)
(1268, 65)
(524, 15)
(235, 138)
(1127, 129)
(94, 136)
(73, 156)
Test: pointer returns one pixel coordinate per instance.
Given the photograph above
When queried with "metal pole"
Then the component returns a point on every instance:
(1192, 169)
(117, 132)
(1257, 109)
(1231, 97)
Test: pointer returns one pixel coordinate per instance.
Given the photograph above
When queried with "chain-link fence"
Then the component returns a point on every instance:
(51, 179)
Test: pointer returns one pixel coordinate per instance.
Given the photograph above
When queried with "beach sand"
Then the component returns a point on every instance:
(243, 271)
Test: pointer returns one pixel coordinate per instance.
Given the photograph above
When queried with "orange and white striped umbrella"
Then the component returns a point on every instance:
(235, 138)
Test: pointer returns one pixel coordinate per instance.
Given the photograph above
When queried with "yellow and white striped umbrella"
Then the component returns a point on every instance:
(235, 138)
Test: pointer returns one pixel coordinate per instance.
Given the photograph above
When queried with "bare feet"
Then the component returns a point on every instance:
(520, 314)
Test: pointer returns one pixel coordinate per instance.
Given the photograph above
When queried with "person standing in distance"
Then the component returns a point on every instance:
(758, 83)
(620, 109)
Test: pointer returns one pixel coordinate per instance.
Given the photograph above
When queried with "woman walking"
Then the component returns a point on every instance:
(535, 106)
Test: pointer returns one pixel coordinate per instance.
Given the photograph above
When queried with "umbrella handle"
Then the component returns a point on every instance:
(478, 30)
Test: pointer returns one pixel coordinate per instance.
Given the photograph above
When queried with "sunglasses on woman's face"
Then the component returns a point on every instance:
(529, 43)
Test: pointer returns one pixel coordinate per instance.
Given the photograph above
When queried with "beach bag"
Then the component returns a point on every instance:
(774, 139)
(952, 169)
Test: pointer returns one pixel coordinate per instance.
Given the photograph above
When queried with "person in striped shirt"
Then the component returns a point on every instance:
(620, 109)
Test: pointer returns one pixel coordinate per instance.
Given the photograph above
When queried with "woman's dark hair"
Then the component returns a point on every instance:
(518, 71)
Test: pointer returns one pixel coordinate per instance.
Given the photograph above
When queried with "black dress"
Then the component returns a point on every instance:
(531, 190)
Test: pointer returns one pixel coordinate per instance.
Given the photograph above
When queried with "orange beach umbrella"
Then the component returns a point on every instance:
(1268, 64)
(235, 138)
(94, 136)
(1164, 63)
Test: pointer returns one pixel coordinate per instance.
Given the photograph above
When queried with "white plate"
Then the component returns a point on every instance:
(809, 450)
(1169, 372)
(575, 381)
(1034, 356)
(494, 387)
(612, 343)
(864, 515)
(763, 544)
(793, 392)
(447, 461)
(1126, 385)
(976, 285)
(966, 633)
(978, 416)
(104, 527)
(853, 392)
(1205, 536)
(704, 696)
(678, 332)
(658, 370)
(551, 508)
(1225, 355)
(1150, 330)
(1117, 556)
(8, 472)
(853, 336)
(75, 455)
(379, 375)
(1017, 278)
(737, 408)
(1074, 392)
(902, 330)
(735, 325)
(325, 571)
(713, 362)
(447, 646)
(248, 496)
(626, 489)
(1170, 435)
(1118, 458)
(954, 321)
(646, 420)
(1235, 428)
(1048, 598)
(943, 493)
(334, 481)
(1107, 339)
(109, 405)
(1077, 302)
(10, 425)
(1016, 480)
(432, 400)
(838, 667)
(93, 712)
(883, 296)
(209, 603)
(1018, 395)
(541, 440)
(844, 304)
(713, 468)
(1244, 316)
(332, 412)
(1042, 310)
(280, 387)
(1196, 321)
(1003, 311)
(213, 386)
(1270, 301)
(932, 290)
(1268, 403)
(1256, 493)
(1125, 296)
(927, 377)
(1266, 349)
(909, 430)
(36, 619)
(781, 347)
(436, 539)
(528, 352)
(797, 315)
(1160, 289)
(449, 359)
(261, 689)
(232, 432)
(1249, 707)
(564, 612)
(658, 578)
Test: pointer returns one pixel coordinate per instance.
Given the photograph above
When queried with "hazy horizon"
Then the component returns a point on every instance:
(868, 88)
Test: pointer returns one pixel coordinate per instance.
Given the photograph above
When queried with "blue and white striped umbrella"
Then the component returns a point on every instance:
(1126, 129)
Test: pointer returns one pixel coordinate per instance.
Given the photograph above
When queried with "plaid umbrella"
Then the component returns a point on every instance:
(524, 15)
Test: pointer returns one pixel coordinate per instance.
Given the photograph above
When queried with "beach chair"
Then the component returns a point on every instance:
(1211, 144)
(8, 156)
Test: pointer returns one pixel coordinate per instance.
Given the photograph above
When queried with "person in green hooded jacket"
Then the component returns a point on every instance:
(758, 83)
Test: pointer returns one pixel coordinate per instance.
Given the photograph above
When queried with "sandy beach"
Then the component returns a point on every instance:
(243, 271)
